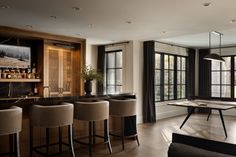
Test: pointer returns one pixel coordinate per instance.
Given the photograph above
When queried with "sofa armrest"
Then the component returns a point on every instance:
(183, 150)
(210, 145)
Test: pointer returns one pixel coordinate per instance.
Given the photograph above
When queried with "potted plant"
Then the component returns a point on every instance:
(88, 74)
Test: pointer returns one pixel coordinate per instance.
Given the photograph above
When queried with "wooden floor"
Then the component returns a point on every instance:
(155, 138)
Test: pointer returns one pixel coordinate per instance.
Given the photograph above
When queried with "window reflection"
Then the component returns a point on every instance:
(181, 78)
(114, 73)
(221, 78)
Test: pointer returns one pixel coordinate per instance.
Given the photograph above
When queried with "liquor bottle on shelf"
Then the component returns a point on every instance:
(0, 73)
(8, 74)
(13, 73)
(34, 72)
(4, 75)
(35, 90)
(34, 69)
(18, 74)
(28, 74)
(23, 74)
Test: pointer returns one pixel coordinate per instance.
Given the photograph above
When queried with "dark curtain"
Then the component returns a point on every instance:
(149, 113)
(191, 74)
(101, 67)
(204, 75)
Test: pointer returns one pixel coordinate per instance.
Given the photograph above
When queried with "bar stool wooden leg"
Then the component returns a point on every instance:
(47, 141)
(107, 135)
(106, 130)
(11, 145)
(94, 133)
(90, 138)
(70, 136)
(31, 141)
(122, 133)
(60, 139)
(137, 139)
(17, 144)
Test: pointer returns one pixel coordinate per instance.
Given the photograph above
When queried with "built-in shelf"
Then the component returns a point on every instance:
(20, 80)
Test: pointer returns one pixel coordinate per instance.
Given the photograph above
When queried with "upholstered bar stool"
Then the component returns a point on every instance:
(11, 124)
(122, 109)
(92, 112)
(54, 116)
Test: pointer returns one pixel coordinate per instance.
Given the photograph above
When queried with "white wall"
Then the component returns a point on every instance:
(138, 76)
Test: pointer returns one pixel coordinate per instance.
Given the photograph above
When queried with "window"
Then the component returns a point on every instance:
(221, 78)
(181, 77)
(113, 76)
(170, 77)
(157, 77)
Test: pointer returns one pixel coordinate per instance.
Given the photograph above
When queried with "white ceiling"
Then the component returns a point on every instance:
(185, 22)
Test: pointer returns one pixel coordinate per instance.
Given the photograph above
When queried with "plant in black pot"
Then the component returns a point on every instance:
(88, 74)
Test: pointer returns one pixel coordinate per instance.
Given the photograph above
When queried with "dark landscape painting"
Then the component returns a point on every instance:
(14, 56)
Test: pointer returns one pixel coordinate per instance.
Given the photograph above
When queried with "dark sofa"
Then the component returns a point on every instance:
(188, 146)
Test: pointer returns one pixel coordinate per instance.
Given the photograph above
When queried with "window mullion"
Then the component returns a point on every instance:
(220, 80)
(162, 78)
(175, 77)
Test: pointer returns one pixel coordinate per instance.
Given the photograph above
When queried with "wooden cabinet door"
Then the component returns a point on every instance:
(58, 72)
(66, 69)
(54, 72)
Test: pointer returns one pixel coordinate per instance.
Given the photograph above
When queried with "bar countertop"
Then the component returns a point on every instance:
(26, 101)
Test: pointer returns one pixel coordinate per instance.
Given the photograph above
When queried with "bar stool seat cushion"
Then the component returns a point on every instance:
(52, 116)
(92, 111)
(122, 108)
(10, 120)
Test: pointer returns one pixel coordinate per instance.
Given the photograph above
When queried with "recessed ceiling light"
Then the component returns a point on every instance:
(53, 17)
(29, 26)
(207, 4)
(76, 8)
(163, 32)
(128, 22)
(233, 21)
(78, 34)
(90, 25)
(4, 6)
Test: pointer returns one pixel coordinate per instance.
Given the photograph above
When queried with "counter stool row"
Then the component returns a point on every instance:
(58, 116)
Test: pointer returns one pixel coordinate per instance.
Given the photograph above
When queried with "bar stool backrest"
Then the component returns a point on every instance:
(122, 108)
(52, 116)
(10, 120)
(92, 111)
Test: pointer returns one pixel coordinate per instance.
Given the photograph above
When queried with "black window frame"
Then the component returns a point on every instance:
(115, 69)
(168, 83)
(181, 70)
(232, 77)
(162, 77)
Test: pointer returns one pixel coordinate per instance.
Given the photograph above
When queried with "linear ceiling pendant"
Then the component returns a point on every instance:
(214, 56)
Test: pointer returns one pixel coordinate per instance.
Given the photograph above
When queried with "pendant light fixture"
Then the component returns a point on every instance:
(214, 56)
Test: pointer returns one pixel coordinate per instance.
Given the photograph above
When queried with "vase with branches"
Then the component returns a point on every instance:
(88, 74)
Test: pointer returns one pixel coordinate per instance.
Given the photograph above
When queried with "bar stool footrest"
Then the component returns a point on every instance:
(78, 140)
(36, 148)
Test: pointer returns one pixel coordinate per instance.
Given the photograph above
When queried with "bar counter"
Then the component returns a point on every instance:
(80, 128)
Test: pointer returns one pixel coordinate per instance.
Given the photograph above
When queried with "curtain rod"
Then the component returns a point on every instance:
(172, 44)
(124, 42)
